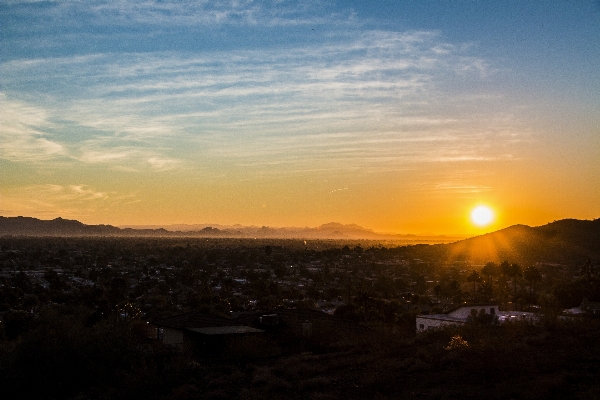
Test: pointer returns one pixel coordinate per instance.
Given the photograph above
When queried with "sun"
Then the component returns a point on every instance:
(482, 215)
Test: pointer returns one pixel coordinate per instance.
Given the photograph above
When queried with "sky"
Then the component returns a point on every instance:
(399, 116)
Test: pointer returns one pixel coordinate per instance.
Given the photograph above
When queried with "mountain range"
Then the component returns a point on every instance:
(563, 241)
(62, 227)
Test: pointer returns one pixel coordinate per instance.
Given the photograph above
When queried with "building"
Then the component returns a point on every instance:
(206, 333)
(464, 314)
(586, 308)
(272, 332)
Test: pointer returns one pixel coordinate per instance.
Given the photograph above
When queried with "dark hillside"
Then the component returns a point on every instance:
(28, 226)
(564, 241)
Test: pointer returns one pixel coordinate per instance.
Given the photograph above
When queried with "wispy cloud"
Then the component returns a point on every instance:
(51, 200)
(125, 158)
(183, 13)
(24, 132)
(447, 188)
(374, 99)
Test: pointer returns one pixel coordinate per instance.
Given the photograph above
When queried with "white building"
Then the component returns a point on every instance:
(460, 315)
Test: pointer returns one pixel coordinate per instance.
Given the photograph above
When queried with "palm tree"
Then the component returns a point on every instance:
(490, 269)
(532, 274)
(486, 290)
(474, 277)
(513, 271)
(504, 268)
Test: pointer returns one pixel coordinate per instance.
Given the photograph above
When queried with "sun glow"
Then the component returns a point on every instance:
(482, 216)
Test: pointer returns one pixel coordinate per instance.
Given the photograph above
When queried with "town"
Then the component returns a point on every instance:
(318, 296)
(154, 278)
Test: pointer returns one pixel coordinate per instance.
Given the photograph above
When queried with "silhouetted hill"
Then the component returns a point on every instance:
(564, 241)
(55, 227)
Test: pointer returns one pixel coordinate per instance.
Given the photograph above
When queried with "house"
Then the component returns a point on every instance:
(456, 316)
(277, 330)
(463, 314)
(207, 333)
(586, 307)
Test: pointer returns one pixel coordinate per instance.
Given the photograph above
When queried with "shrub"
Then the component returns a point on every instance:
(457, 343)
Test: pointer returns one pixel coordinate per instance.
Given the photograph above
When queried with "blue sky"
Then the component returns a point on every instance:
(395, 115)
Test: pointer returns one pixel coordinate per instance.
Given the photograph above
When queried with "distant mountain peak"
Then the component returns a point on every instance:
(342, 227)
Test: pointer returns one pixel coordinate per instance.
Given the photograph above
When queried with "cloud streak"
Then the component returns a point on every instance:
(373, 99)
(94, 14)
(51, 200)
(23, 132)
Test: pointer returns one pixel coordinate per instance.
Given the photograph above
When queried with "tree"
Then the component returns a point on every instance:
(513, 271)
(421, 284)
(486, 290)
(505, 268)
(588, 269)
(532, 274)
(490, 269)
(455, 291)
(437, 290)
(474, 277)
(482, 318)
